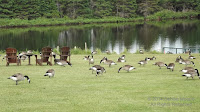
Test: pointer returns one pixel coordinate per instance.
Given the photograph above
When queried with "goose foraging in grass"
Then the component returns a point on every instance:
(108, 62)
(100, 71)
(191, 73)
(95, 67)
(50, 73)
(171, 66)
(19, 77)
(127, 68)
(186, 69)
(160, 64)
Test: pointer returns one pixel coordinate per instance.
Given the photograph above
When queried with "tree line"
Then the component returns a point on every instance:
(73, 9)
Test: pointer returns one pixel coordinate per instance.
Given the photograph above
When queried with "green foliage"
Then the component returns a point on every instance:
(79, 51)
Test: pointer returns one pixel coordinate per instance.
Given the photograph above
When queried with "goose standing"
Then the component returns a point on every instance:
(160, 64)
(91, 61)
(191, 73)
(50, 73)
(19, 77)
(127, 68)
(171, 66)
(143, 62)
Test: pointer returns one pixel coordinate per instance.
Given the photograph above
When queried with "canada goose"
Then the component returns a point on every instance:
(153, 58)
(93, 52)
(91, 61)
(191, 73)
(63, 63)
(108, 62)
(187, 69)
(121, 60)
(108, 52)
(95, 67)
(50, 73)
(100, 71)
(141, 51)
(191, 57)
(187, 52)
(123, 57)
(171, 66)
(169, 52)
(186, 62)
(143, 62)
(19, 77)
(127, 68)
(55, 60)
(178, 59)
(86, 57)
(160, 64)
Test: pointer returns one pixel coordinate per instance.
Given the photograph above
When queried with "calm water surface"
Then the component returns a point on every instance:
(113, 37)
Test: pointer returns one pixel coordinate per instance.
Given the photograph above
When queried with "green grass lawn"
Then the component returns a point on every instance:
(76, 89)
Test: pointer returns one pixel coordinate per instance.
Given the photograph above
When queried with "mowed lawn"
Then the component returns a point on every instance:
(76, 89)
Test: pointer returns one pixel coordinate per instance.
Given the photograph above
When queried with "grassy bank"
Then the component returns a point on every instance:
(162, 15)
(75, 88)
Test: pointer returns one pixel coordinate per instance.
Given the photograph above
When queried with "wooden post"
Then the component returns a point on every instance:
(85, 46)
(58, 49)
(176, 50)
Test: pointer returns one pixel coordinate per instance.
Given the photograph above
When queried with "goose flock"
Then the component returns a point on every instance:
(188, 72)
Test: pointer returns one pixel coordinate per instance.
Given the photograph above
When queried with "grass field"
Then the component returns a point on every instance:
(76, 89)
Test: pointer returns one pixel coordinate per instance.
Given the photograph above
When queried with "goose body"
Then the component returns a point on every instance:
(121, 60)
(19, 77)
(94, 68)
(91, 61)
(186, 62)
(123, 57)
(63, 63)
(191, 73)
(143, 62)
(108, 52)
(160, 64)
(126, 68)
(141, 51)
(187, 69)
(108, 62)
(100, 71)
(93, 52)
(171, 66)
(191, 57)
(50, 73)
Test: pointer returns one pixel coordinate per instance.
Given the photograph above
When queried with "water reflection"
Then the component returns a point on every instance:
(113, 37)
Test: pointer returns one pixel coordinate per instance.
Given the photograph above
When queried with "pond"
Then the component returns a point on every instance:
(150, 36)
